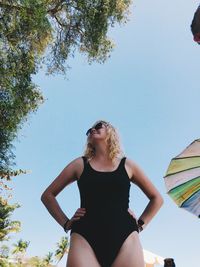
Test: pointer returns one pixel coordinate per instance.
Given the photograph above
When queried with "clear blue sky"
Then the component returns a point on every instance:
(149, 89)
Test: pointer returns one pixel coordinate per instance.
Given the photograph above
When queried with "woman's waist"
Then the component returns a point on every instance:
(107, 221)
(108, 209)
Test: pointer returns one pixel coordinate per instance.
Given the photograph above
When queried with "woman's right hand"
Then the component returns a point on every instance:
(77, 215)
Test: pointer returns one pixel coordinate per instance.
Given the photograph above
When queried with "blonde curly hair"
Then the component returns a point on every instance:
(113, 142)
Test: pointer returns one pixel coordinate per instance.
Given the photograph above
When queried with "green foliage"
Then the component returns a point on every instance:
(48, 258)
(6, 225)
(83, 26)
(25, 25)
(59, 27)
(31, 262)
(37, 262)
(62, 245)
(4, 263)
(20, 247)
(4, 251)
(18, 97)
(7, 174)
(20, 261)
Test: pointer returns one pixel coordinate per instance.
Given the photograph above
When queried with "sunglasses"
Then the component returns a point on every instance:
(96, 127)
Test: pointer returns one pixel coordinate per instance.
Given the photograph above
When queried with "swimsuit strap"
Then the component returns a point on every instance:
(85, 161)
(122, 162)
(85, 164)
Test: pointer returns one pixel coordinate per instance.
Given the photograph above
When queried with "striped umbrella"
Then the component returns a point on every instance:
(182, 178)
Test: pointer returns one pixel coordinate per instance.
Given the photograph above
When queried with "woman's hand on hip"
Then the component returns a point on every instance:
(80, 212)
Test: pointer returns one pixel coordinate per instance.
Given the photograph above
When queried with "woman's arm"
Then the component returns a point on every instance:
(140, 179)
(68, 175)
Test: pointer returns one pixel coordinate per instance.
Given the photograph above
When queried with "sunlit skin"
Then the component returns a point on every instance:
(80, 252)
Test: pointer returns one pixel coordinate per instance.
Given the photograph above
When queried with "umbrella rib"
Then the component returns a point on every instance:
(180, 171)
(175, 158)
(183, 183)
(189, 198)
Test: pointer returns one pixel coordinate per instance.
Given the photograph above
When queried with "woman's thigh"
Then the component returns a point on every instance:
(131, 253)
(81, 253)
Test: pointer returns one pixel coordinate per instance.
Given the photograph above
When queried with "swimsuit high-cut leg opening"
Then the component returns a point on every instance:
(86, 248)
(126, 255)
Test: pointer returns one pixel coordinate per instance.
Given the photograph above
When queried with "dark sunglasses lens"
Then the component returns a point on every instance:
(98, 126)
(88, 131)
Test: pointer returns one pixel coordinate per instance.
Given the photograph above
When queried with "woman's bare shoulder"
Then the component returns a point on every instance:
(78, 165)
(131, 163)
(130, 166)
(68, 175)
(77, 161)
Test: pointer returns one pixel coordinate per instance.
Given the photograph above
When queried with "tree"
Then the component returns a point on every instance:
(62, 26)
(62, 248)
(4, 253)
(6, 225)
(36, 262)
(20, 249)
(48, 258)
(18, 97)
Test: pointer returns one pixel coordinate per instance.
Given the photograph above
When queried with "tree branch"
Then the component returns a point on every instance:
(60, 23)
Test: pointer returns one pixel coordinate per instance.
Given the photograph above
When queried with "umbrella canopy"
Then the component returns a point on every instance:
(182, 178)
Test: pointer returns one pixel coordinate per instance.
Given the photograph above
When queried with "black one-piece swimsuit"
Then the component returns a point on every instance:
(107, 222)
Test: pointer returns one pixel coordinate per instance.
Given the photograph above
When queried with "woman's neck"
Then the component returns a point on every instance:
(101, 152)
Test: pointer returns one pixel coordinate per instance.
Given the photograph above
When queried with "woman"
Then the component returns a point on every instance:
(103, 231)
